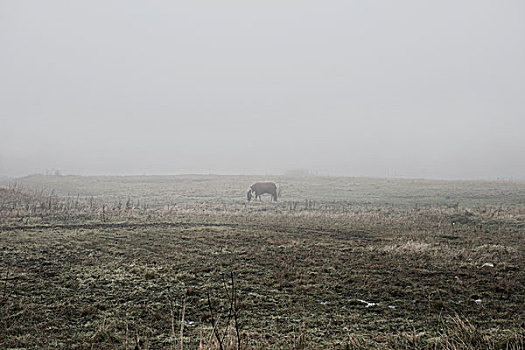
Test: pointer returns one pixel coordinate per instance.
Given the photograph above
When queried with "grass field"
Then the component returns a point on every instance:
(148, 262)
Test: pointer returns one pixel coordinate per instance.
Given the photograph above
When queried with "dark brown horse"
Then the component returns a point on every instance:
(261, 188)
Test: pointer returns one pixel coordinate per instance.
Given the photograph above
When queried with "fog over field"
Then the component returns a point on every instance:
(358, 88)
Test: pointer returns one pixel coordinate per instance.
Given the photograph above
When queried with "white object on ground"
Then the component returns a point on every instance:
(367, 303)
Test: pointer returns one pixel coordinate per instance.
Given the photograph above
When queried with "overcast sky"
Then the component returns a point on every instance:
(376, 88)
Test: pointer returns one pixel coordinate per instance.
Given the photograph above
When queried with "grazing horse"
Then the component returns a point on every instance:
(260, 188)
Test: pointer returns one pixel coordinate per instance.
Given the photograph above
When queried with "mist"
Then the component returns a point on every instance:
(355, 88)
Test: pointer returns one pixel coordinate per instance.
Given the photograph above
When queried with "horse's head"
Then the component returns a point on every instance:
(249, 194)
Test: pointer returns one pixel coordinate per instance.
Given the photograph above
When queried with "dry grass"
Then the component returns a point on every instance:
(79, 273)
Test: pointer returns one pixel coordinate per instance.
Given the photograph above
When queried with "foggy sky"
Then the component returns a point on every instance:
(375, 88)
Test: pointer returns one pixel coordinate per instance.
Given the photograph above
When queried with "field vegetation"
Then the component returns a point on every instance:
(185, 262)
